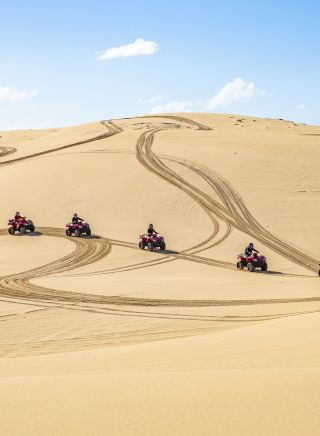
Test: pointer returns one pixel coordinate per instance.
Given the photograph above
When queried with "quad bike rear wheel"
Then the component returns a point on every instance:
(32, 228)
(150, 246)
(88, 232)
(11, 230)
(77, 233)
(142, 245)
(163, 246)
(250, 267)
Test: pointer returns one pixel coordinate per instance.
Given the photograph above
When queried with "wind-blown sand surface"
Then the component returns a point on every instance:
(99, 337)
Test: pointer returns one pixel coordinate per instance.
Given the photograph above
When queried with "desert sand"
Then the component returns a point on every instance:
(101, 338)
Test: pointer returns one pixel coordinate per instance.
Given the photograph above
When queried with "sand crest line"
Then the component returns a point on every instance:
(111, 131)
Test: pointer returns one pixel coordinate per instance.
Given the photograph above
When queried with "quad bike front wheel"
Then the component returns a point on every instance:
(264, 267)
(142, 245)
(150, 246)
(250, 267)
(68, 232)
(240, 265)
(77, 233)
(23, 230)
(11, 230)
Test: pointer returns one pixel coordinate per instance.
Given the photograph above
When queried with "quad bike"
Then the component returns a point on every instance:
(152, 242)
(22, 225)
(78, 229)
(252, 262)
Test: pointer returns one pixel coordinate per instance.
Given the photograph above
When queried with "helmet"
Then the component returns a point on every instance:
(250, 244)
(75, 215)
(17, 213)
(151, 226)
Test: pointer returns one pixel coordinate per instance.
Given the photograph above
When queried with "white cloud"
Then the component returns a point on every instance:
(302, 107)
(137, 48)
(155, 99)
(14, 95)
(151, 100)
(236, 91)
(173, 106)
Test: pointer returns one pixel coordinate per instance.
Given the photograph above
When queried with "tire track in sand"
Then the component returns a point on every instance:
(233, 210)
(4, 151)
(88, 250)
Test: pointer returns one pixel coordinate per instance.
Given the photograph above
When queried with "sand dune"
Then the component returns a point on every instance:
(100, 337)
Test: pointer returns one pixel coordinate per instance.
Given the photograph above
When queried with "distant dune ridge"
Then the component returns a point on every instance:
(100, 337)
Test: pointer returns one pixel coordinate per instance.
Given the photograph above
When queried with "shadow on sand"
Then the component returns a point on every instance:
(29, 234)
(166, 252)
(84, 236)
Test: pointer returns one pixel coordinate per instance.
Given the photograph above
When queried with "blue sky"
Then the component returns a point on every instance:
(248, 57)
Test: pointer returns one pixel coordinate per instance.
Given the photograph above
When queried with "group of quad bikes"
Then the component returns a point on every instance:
(252, 262)
(23, 225)
(150, 241)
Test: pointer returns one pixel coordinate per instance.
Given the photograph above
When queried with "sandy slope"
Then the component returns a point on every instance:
(99, 337)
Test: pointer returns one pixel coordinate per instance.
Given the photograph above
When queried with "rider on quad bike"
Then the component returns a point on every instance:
(151, 230)
(76, 219)
(249, 249)
(17, 217)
